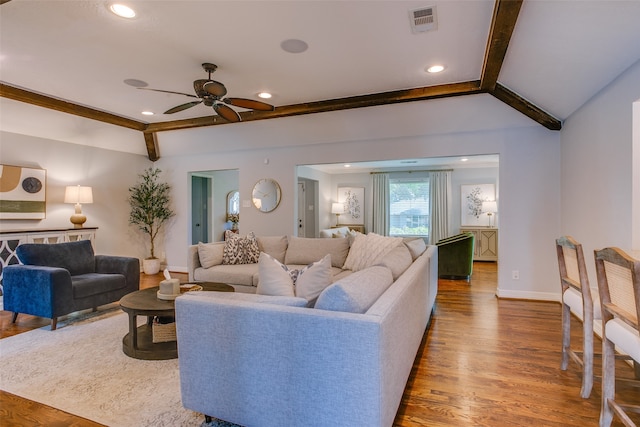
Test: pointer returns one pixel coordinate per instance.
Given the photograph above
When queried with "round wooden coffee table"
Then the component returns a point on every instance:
(138, 343)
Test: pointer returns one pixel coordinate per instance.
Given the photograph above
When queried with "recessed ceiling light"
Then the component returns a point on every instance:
(464, 159)
(435, 69)
(347, 166)
(147, 113)
(264, 95)
(122, 10)
(294, 46)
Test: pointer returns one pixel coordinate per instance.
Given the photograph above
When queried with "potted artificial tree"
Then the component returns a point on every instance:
(149, 201)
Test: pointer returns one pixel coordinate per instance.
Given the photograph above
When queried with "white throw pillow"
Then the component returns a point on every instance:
(278, 280)
(367, 249)
(416, 247)
(210, 254)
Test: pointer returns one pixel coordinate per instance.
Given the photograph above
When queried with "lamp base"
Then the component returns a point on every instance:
(77, 220)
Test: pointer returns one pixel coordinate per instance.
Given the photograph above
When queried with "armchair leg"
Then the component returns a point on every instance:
(54, 323)
(14, 317)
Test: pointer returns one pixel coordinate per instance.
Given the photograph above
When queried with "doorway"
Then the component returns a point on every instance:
(200, 207)
(307, 207)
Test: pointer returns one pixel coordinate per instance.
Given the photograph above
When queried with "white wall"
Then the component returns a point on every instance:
(110, 173)
(529, 191)
(599, 172)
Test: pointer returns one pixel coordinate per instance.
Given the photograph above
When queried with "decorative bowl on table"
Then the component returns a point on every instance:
(189, 287)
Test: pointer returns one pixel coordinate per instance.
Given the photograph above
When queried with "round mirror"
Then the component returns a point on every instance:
(266, 195)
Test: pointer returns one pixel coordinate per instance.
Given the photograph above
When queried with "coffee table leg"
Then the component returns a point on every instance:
(133, 331)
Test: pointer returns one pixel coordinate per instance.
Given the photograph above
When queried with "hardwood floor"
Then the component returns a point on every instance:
(484, 362)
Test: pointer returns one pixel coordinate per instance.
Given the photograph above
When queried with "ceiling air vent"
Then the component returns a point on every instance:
(423, 19)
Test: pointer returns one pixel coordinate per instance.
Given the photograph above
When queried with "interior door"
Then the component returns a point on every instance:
(200, 199)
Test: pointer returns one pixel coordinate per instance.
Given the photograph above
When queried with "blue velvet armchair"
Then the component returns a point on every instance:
(58, 279)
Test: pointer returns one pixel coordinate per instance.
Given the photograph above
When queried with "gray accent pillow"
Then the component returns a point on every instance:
(210, 254)
(397, 260)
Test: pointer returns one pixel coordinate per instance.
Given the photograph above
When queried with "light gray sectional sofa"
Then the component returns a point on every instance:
(260, 360)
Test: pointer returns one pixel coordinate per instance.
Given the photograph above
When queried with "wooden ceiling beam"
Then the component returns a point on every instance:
(525, 107)
(33, 98)
(151, 142)
(393, 97)
(505, 16)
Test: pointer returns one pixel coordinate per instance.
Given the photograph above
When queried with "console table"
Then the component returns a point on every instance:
(10, 239)
(486, 243)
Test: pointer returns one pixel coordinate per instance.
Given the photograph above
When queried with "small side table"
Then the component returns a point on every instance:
(138, 343)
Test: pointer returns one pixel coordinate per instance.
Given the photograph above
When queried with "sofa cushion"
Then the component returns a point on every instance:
(278, 279)
(238, 274)
(240, 250)
(356, 292)
(397, 260)
(303, 250)
(265, 299)
(89, 284)
(367, 249)
(210, 254)
(76, 257)
(276, 246)
(416, 247)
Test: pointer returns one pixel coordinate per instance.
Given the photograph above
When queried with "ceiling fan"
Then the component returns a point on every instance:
(211, 93)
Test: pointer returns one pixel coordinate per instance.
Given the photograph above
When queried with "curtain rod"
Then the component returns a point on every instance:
(412, 171)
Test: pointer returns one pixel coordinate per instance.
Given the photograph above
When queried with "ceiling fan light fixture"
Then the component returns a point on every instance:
(147, 113)
(122, 10)
(435, 69)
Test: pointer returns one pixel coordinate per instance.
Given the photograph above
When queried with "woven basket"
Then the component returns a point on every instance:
(163, 332)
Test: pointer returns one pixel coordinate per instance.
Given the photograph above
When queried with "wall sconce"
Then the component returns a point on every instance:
(337, 208)
(490, 207)
(77, 194)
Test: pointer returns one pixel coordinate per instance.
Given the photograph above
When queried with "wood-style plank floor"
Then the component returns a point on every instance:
(484, 362)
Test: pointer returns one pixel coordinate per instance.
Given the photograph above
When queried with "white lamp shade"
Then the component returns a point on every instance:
(78, 194)
(490, 206)
(337, 208)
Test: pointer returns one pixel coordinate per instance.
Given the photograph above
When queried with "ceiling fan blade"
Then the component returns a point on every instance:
(182, 107)
(249, 103)
(167, 91)
(215, 88)
(227, 113)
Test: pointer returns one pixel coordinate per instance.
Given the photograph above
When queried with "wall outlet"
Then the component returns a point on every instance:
(515, 275)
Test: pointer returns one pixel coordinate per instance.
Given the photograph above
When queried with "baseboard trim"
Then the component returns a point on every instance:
(529, 295)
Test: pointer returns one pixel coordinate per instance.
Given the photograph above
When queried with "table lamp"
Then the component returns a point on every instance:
(490, 207)
(337, 208)
(77, 194)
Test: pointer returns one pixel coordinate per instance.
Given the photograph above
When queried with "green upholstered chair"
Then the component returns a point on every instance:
(455, 256)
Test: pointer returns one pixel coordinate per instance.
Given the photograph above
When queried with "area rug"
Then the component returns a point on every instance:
(80, 368)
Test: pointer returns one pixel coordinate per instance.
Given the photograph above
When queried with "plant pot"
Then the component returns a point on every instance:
(151, 266)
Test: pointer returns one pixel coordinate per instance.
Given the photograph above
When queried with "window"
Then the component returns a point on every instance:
(409, 207)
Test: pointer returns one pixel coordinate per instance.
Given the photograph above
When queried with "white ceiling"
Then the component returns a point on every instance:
(561, 54)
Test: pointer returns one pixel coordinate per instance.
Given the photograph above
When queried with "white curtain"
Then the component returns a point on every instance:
(440, 197)
(380, 186)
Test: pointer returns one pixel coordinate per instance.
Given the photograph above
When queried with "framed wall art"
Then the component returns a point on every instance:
(22, 193)
(352, 198)
(471, 198)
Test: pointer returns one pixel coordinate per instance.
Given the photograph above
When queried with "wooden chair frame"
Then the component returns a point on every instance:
(573, 274)
(619, 288)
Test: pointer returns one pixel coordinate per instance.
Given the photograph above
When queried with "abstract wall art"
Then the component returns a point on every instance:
(352, 198)
(22, 193)
(472, 197)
